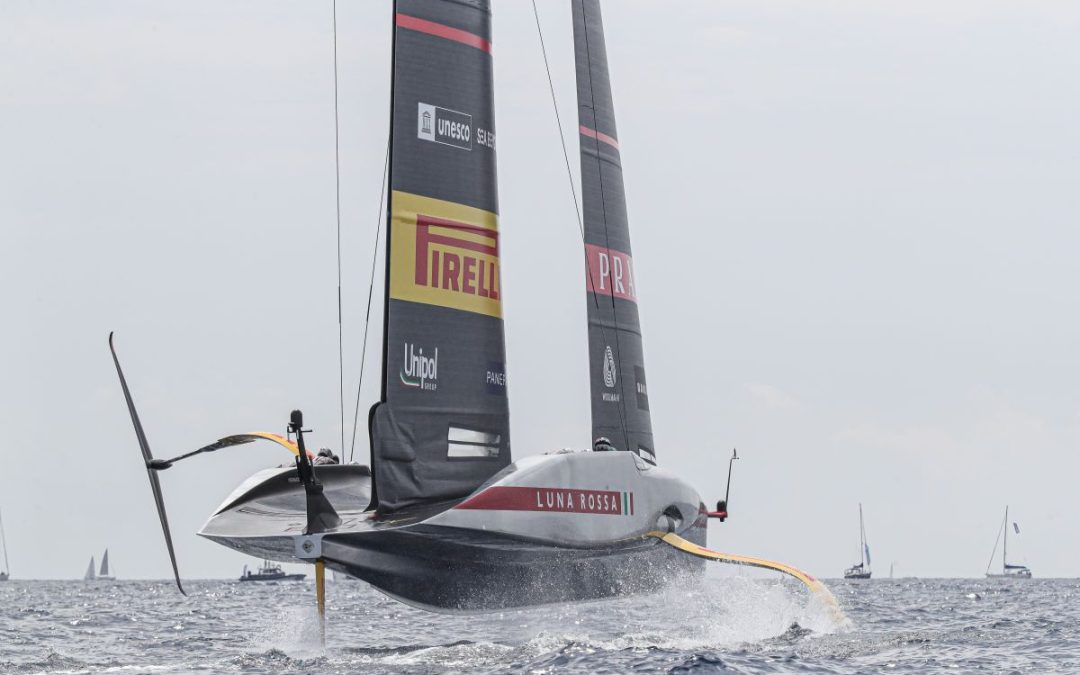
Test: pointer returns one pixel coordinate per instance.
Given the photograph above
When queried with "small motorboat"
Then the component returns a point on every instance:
(269, 572)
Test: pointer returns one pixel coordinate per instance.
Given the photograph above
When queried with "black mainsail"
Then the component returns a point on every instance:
(620, 399)
(442, 426)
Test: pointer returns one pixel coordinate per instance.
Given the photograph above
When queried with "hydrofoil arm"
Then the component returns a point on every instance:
(154, 465)
(228, 441)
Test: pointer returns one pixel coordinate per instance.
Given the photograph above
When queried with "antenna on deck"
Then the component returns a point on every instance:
(721, 512)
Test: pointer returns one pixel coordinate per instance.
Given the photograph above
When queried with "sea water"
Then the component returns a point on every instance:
(728, 625)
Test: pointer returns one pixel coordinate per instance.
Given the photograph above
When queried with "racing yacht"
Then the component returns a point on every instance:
(443, 517)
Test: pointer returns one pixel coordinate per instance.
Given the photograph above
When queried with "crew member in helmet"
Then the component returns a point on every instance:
(603, 444)
(326, 456)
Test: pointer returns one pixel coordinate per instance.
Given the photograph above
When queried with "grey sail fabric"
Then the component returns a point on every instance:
(442, 427)
(620, 397)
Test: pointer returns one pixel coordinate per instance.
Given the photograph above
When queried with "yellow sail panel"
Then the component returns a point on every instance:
(444, 254)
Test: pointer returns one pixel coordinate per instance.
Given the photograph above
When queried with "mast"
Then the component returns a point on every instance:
(1005, 543)
(997, 540)
(619, 395)
(3, 545)
(386, 245)
(862, 539)
(442, 425)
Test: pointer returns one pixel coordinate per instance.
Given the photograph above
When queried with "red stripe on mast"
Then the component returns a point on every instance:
(443, 31)
(598, 135)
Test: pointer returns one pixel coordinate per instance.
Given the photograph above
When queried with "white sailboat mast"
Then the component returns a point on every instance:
(1005, 544)
(3, 545)
(862, 538)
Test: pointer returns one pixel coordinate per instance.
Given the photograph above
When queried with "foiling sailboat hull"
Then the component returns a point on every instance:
(447, 569)
(501, 547)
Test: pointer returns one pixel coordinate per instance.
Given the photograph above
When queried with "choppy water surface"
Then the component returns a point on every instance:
(726, 625)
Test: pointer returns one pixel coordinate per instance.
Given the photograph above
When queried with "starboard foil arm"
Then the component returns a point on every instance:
(816, 587)
(154, 465)
(228, 441)
(148, 457)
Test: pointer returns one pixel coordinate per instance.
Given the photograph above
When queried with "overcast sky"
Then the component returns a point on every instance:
(855, 234)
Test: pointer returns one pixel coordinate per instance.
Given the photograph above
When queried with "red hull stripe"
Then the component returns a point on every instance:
(443, 31)
(600, 136)
(559, 500)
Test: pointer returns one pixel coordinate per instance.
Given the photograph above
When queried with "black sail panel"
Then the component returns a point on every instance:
(620, 399)
(442, 427)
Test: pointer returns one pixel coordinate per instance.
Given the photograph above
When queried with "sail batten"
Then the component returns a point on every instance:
(619, 392)
(443, 346)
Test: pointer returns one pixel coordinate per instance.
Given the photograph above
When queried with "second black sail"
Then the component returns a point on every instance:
(620, 398)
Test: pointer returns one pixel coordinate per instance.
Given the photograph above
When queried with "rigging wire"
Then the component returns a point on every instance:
(577, 208)
(562, 135)
(367, 313)
(996, 542)
(337, 198)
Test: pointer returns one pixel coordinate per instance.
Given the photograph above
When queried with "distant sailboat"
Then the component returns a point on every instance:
(1007, 571)
(103, 575)
(5, 573)
(860, 570)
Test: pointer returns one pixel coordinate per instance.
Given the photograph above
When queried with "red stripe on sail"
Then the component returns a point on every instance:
(598, 135)
(441, 30)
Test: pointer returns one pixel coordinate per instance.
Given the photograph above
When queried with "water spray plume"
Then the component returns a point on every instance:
(820, 590)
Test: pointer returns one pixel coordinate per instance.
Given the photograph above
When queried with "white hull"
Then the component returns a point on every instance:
(552, 528)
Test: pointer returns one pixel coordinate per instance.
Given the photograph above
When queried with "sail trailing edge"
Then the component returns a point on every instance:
(442, 427)
(619, 394)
